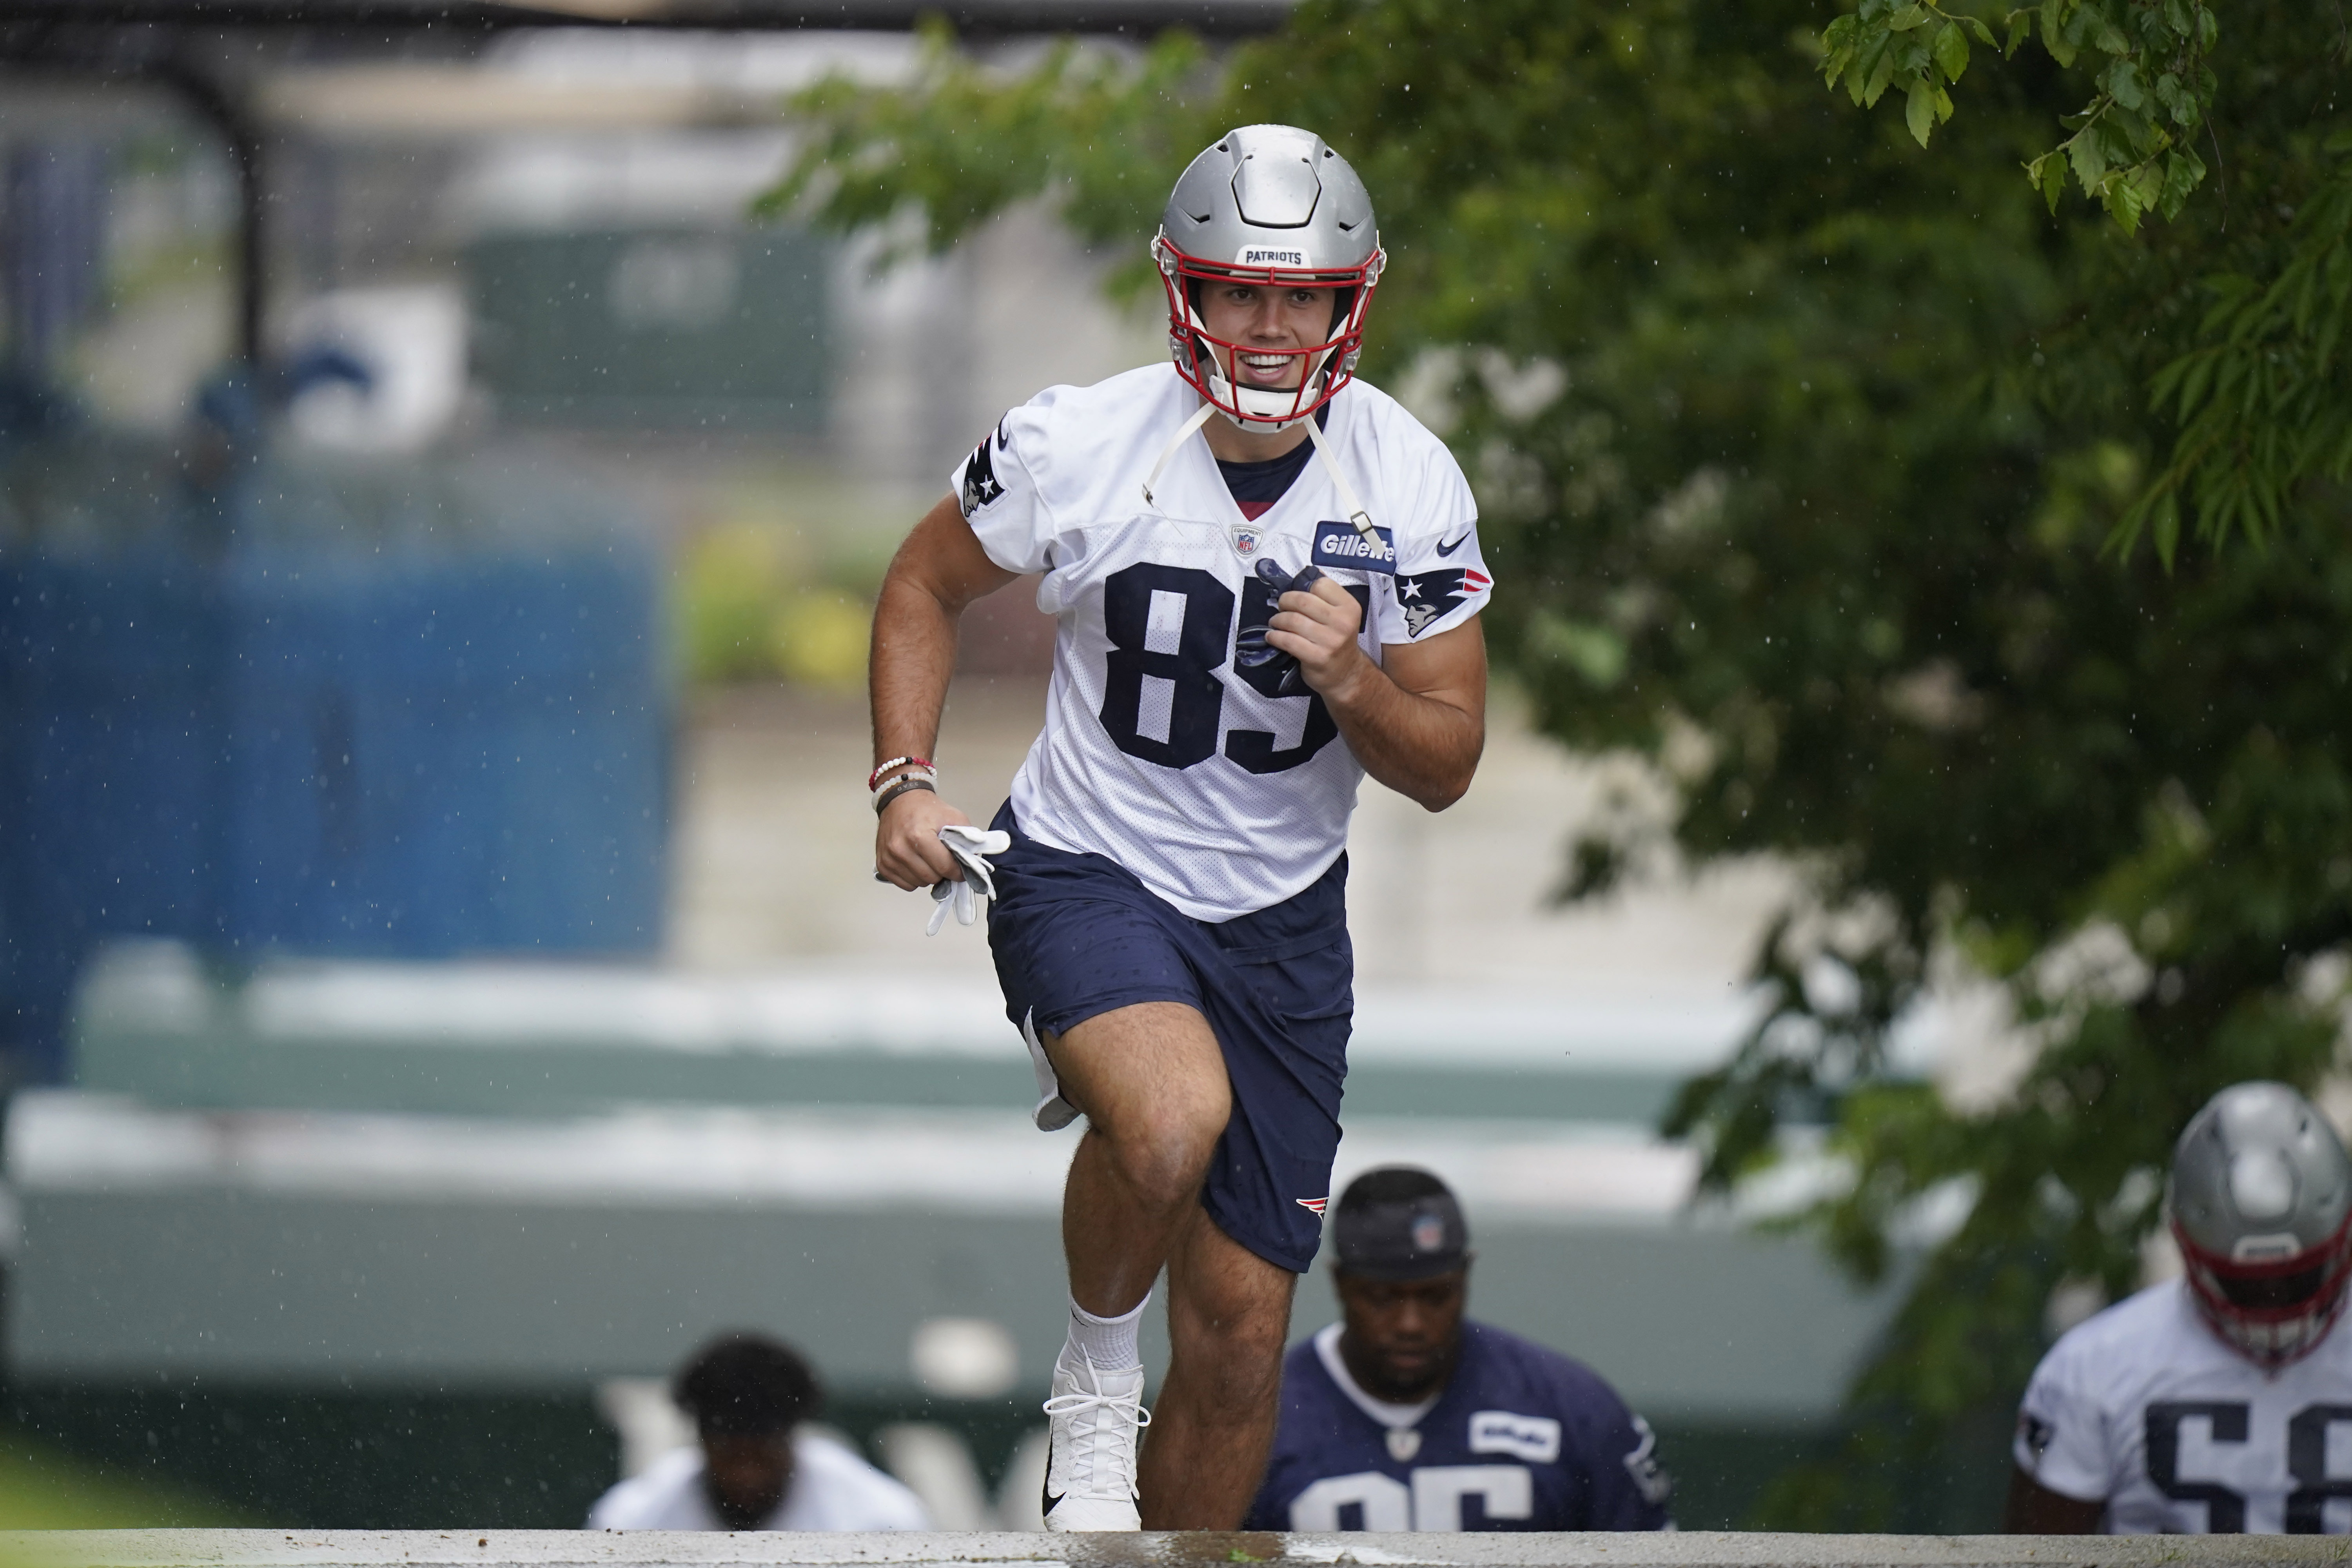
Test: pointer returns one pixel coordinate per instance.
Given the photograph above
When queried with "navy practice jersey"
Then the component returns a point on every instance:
(1521, 1438)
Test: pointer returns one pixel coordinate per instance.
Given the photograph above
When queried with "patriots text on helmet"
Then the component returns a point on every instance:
(1291, 214)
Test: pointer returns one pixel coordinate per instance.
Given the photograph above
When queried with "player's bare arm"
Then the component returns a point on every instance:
(939, 571)
(1418, 719)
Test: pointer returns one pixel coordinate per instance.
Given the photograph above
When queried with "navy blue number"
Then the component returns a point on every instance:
(1197, 697)
(1255, 749)
(2225, 1511)
(2306, 1461)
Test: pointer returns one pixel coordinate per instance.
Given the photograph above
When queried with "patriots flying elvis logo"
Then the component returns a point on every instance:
(1426, 597)
(979, 485)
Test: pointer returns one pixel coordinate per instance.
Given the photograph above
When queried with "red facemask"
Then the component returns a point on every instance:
(1329, 366)
(2276, 1310)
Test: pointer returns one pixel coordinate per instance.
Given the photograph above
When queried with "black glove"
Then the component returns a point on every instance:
(1276, 673)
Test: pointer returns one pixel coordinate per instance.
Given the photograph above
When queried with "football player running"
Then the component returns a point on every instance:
(1403, 1415)
(1266, 578)
(2213, 1404)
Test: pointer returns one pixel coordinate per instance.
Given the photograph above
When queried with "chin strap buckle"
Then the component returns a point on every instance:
(1357, 516)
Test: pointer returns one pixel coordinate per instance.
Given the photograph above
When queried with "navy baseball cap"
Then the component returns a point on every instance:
(1398, 1221)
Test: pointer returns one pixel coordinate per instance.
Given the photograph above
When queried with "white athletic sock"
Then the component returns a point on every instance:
(1108, 1343)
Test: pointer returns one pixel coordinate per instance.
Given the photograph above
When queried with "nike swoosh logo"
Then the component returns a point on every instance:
(1450, 549)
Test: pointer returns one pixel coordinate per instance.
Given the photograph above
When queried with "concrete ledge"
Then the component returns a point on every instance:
(583, 1548)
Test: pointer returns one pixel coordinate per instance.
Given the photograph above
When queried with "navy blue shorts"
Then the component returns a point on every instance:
(1077, 935)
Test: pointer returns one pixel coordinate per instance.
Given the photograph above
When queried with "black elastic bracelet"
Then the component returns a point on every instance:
(905, 783)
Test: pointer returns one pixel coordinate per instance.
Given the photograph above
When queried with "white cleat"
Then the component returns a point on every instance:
(1090, 1474)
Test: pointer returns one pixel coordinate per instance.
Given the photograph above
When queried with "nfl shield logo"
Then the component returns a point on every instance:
(1246, 539)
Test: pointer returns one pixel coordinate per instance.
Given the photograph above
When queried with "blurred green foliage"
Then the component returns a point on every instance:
(1810, 465)
(746, 613)
(40, 1490)
(776, 576)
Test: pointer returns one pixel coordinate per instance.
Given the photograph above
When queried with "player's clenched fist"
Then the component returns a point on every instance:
(1317, 626)
(907, 848)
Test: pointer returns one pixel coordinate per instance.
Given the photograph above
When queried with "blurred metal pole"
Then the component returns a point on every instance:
(225, 110)
(140, 55)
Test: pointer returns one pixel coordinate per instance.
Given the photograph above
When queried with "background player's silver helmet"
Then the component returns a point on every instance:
(1268, 205)
(2261, 1205)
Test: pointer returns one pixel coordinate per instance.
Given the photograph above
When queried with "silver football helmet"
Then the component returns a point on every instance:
(1268, 205)
(2261, 1205)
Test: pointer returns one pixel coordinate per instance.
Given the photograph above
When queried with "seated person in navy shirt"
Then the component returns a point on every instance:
(1404, 1416)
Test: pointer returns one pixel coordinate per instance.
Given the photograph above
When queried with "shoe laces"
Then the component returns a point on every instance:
(1097, 1423)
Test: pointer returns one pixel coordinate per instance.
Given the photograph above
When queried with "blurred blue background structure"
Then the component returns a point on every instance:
(415, 713)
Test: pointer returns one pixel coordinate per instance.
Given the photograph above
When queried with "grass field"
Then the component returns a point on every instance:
(43, 1490)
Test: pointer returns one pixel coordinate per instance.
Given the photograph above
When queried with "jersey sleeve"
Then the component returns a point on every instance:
(1630, 1487)
(1609, 1455)
(997, 489)
(2061, 1432)
(1441, 578)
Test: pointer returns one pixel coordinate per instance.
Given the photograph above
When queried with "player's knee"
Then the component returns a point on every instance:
(1163, 1154)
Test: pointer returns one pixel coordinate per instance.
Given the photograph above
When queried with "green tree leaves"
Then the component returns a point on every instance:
(2265, 401)
(1914, 43)
(1831, 521)
(2132, 147)
(961, 143)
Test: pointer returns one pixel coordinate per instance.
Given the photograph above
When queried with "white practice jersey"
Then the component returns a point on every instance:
(832, 1488)
(2145, 1407)
(1157, 752)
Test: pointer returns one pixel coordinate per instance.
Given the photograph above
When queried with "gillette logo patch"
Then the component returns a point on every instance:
(1260, 256)
(1339, 545)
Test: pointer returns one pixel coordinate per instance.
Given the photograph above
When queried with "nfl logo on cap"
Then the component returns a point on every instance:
(1428, 1233)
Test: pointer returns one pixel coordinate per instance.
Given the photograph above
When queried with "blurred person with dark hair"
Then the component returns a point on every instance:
(1405, 1415)
(2219, 1403)
(757, 1463)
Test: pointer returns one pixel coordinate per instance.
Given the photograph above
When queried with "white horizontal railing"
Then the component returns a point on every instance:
(629, 1549)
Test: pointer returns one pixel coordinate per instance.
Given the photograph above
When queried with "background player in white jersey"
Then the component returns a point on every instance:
(757, 1462)
(2219, 1402)
(1266, 576)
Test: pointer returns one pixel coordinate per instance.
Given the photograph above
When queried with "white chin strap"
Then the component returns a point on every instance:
(1357, 516)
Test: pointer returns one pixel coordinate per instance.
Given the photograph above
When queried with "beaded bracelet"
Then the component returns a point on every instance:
(875, 776)
(928, 775)
(906, 784)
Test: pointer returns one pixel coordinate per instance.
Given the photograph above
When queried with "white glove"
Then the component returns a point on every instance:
(969, 846)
